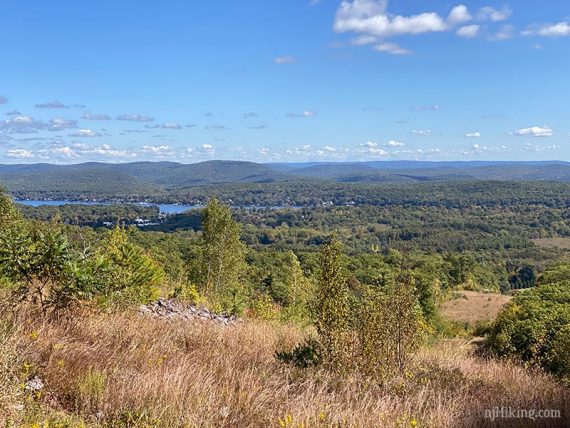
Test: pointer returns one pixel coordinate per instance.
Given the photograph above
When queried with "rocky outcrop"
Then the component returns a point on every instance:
(173, 309)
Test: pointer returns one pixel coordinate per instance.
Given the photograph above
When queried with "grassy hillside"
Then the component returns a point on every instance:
(126, 371)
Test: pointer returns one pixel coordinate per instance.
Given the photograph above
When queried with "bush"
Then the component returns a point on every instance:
(533, 327)
(38, 258)
(304, 355)
(390, 329)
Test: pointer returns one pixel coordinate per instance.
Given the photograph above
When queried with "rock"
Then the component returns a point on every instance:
(34, 385)
(173, 309)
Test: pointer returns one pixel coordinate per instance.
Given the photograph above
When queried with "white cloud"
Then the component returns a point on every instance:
(479, 148)
(422, 132)
(370, 17)
(135, 117)
(373, 24)
(66, 152)
(393, 143)
(22, 124)
(458, 15)
(287, 59)
(434, 107)
(306, 113)
(207, 149)
(52, 104)
(491, 14)
(364, 40)
(377, 152)
(217, 127)
(371, 147)
(19, 154)
(58, 123)
(171, 125)
(156, 149)
(371, 20)
(560, 29)
(89, 116)
(534, 131)
(106, 150)
(540, 148)
(469, 31)
(505, 33)
(85, 132)
(475, 134)
(392, 48)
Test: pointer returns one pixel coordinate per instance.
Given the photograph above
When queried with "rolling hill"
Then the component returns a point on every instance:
(151, 178)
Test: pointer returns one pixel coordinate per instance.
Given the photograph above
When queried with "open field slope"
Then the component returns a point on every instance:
(472, 306)
(127, 370)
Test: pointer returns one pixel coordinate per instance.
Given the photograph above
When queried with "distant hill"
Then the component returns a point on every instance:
(137, 179)
(406, 171)
(173, 174)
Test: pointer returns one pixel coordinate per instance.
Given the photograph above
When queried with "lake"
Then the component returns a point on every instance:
(166, 209)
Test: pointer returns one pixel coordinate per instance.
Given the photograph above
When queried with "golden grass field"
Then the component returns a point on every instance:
(563, 243)
(124, 370)
(472, 306)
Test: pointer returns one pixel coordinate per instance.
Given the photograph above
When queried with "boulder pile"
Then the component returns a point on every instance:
(173, 309)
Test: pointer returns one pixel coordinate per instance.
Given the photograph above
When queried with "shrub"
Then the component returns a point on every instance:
(262, 307)
(123, 273)
(390, 328)
(533, 327)
(304, 355)
(38, 258)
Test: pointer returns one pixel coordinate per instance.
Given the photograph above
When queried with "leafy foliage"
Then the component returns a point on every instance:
(222, 257)
(332, 308)
(534, 327)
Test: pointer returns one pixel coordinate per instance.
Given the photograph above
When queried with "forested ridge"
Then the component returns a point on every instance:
(255, 183)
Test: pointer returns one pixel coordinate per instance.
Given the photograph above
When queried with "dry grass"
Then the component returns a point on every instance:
(472, 306)
(563, 243)
(123, 370)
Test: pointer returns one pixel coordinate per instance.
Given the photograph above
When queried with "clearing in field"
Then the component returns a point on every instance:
(563, 243)
(472, 306)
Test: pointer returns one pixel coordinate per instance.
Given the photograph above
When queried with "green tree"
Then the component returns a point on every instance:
(38, 258)
(332, 309)
(533, 327)
(124, 272)
(297, 285)
(390, 328)
(222, 259)
(8, 213)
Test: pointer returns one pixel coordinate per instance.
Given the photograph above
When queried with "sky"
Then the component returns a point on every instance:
(284, 81)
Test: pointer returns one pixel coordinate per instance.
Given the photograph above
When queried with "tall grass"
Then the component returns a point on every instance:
(125, 370)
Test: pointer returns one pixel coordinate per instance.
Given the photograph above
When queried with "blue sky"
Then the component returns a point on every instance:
(294, 80)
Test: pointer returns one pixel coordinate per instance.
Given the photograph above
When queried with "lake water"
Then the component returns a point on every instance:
(167, 209)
